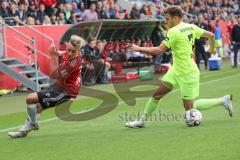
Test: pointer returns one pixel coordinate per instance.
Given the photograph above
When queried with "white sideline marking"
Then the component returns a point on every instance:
(120, 102)
(221, 73)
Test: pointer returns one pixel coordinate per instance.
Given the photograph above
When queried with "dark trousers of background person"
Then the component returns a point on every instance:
(201, 54)
(136, 59)
(88, 74)
(166, 57)
(236, 47)
(49, 11)
(99, 67)
(119, 57)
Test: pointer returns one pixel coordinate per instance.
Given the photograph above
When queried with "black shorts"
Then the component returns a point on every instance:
(51, 98)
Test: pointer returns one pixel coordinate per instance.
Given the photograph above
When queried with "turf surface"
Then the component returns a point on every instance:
(107, 138)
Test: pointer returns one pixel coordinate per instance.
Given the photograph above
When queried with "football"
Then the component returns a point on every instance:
(193, 117)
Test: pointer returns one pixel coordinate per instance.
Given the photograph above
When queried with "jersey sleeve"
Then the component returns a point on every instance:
(198, 31)
(170, 39)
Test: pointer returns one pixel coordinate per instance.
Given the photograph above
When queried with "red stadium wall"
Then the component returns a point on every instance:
(12, 38)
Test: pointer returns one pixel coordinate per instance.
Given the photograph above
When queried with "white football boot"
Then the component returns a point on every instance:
(27, 127)
(17, 134)
(134, 124)
(227, 103)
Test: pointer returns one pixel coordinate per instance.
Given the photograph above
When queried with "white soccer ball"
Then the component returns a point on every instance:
(193, 117)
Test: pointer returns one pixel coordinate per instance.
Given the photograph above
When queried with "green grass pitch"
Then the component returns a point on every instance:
(103, 138)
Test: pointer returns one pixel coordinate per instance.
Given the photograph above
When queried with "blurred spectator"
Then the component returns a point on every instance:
(134, 56)
(13, 12)
(127, 16)
(103, 59)
(75, 9)
(30, 21)
(90, 14)
(236, 41)
(68, 11)
(82, 7)
(32, 12)
(46, 20)
(72, 19)
(160, 13)
(147, 58)
(4, 10)
(40, 14)
(61, 19)
(26, 7)
(229, 37)
(230, 28)
(135, 13)
(122, 14)
(199, 45)
(60, 8)
(22, 12)
(218, 39)
(100, 12)
(144, 9)
(49, 6)
(112, 13)
(109, 2)
(149, 12)
(209, 26)
(94, 66)
(53, 19)
(119, 13)
(157, 37)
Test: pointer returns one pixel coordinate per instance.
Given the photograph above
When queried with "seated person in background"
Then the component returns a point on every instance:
(134, 56)
(103, 58)
(93, 66)
(113, 51)
(146, 58)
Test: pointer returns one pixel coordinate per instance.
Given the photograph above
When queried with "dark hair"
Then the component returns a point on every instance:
(91, 39)
(174, 11)
(21, 3)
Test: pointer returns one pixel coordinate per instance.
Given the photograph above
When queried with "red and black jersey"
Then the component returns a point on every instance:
(68, 74)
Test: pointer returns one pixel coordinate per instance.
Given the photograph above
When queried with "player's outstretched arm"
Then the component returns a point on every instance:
(148, 50)
(210, 36)
(54, 52)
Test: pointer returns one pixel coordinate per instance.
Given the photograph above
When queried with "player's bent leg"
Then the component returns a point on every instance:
(150, 107)
(33, 108)
(36, 103)
(32, 98)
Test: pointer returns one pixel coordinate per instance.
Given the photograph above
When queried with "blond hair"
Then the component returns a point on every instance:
(77, 41)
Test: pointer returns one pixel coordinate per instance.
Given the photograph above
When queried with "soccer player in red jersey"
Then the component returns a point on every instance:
(66, 85)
